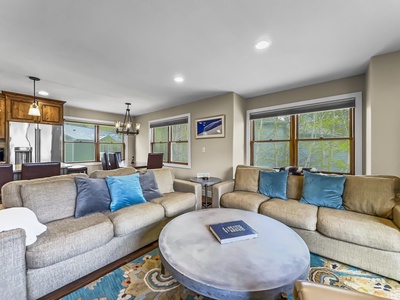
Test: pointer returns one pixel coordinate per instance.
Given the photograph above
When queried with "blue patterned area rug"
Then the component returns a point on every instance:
(141, 279)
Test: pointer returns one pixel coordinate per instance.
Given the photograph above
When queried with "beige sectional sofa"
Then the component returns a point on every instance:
(74, 247)
(366, 234)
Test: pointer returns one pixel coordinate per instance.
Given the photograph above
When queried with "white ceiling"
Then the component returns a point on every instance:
(99, 54)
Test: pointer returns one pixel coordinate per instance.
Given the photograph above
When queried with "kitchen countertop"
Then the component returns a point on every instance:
(17, 168)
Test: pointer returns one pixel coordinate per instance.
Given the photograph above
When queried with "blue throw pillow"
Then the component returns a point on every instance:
(273, 184)
(92, 195)
(323, 190)
(149, 186)
(125, 191)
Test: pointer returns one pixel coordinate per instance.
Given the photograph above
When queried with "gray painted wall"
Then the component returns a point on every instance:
(218, 156)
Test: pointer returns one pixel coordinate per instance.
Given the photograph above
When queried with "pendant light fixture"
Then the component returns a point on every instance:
(126, 126)
(34, 108)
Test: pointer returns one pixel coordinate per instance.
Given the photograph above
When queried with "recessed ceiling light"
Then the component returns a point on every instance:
(179, 79)
(43, 93)
(262, 45)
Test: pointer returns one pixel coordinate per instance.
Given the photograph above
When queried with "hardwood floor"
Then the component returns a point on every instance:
(65, 290)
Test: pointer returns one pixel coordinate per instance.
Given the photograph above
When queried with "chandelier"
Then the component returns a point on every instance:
(34, 108)
(126, 126)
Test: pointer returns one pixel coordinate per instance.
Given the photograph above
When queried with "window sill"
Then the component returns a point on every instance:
(177, 166)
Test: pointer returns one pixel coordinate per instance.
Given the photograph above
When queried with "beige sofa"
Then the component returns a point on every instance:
(366, 234)
(74, 247)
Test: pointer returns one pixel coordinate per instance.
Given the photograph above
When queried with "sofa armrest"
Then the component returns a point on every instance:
(189, 187)
(219, 189)
(12, 264)
(396, 215)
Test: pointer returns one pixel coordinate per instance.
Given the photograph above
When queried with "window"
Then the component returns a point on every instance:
(171, 137)
(86, 142)
(320, 135)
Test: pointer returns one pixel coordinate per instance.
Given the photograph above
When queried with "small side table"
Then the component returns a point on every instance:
(206, 183)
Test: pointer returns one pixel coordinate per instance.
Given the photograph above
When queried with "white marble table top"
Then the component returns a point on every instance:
(259, 268)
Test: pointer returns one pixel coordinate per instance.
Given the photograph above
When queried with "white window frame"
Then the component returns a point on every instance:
(358, 153)
(189, 164)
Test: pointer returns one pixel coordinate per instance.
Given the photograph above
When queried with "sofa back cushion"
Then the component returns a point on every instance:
(165, 179)
(294, 188)
(50, 200)
(116, 172)
(11, 191)
(372, 195)
(246, 178)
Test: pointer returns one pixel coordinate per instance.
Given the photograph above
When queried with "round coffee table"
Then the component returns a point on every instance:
(259, 268)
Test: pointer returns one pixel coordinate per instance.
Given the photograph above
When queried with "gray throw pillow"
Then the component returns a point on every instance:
(149, 186)
(92, 196)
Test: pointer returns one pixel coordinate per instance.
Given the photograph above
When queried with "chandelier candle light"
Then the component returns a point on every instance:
(126, 126)
(34, 108)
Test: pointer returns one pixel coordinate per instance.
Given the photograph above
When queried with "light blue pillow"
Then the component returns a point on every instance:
(273, 184)
(323, 190)
(125, 191)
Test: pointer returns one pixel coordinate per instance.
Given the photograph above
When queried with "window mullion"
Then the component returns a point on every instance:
(169, 143)
(294, 140)
(352, 143)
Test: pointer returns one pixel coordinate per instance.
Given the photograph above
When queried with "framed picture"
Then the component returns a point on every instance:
(211, 127)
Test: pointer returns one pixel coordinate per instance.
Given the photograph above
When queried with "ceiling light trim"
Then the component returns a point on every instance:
(262, 45)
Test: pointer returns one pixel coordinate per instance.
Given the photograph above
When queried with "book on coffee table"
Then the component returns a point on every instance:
(233, 231)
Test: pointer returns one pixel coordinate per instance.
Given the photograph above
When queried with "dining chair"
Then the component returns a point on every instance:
(40, 170)
(6, 175)
(119, 157)
(155, 160)
(104, 161)
(112, 158)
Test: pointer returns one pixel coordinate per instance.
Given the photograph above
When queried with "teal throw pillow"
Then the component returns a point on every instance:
(273, 184)
(323, 190)
(125, 191)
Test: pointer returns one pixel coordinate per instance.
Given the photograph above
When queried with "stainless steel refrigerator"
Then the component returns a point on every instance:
(31, 142)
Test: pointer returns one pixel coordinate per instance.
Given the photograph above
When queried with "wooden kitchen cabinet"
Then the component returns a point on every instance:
(17, 108)
(51, 114)
(2, 117)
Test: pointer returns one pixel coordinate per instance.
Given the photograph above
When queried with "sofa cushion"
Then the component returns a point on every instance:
(50, 200)
(11, 191)
(291, 212)
(165, 179)
(370, 195)
(243, 200)
(149, 186)
(132, 218)
(125, 191)
(116, 172)
(357, 228)
(323, 190)
(273, 184)
(67, 238)
(92, 196)
(176, 203)
(246, 179)
(294, 187)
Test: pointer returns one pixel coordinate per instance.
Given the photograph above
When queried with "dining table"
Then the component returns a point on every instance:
(139, 165)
